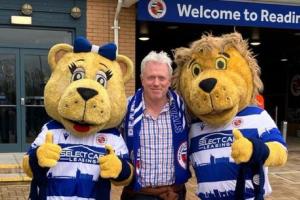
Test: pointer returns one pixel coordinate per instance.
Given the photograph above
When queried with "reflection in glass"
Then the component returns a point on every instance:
(30, 37)
(8, 132)
(36, 118)
(7, 79)
(37, 73)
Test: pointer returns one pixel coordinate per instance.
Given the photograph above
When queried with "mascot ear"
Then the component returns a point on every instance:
(182, 56)
(126, 67)
(57, 52)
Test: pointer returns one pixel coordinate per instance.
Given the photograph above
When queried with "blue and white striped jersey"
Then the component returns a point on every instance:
(210, 153)
(77, 173)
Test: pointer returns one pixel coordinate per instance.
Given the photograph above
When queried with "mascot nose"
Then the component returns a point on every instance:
(208, 84)
(86, 93)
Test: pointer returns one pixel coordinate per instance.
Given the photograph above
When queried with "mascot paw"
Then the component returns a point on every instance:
(241, 148)
(110, 164)
(48, 153)
(278, 154)
(26, 166)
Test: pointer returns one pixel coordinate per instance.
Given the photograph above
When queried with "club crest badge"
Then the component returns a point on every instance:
(182, 155)
(101, 139)
(157, 8)
(237, 122)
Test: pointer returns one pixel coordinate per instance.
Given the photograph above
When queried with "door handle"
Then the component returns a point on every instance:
(23, 101)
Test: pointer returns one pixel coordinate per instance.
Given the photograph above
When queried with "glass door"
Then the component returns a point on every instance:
(10, 118)
(23, 75)
(35, 73)
(24, 72)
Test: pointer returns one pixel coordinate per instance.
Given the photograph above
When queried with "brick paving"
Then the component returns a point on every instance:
(285, 181)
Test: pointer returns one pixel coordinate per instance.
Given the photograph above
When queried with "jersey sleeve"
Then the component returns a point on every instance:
(269, 131)
(120, 147)
(40, 139)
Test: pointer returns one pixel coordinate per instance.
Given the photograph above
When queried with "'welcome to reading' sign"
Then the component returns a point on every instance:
(220, 12)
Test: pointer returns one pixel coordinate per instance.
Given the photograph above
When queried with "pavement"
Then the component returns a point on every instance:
(285, 181)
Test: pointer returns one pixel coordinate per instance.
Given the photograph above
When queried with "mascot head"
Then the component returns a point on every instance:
(86, 91)
(217, 77)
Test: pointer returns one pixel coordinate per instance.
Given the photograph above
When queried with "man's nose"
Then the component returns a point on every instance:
(156, 81)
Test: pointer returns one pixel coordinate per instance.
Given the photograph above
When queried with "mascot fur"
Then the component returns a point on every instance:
(232, 140)
(78, 153)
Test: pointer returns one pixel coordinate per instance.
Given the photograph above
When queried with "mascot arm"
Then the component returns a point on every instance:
(254, 150)
(26, 166)
(241, 148)
(48, 153)
(115, 168)
(125, 179)
(38, 160)
(277, 156)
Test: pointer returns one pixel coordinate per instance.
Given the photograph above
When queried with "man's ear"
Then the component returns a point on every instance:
(57, 52)
(126, 67)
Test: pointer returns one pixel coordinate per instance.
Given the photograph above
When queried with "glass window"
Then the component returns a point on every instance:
(8, 79)
(34, 37)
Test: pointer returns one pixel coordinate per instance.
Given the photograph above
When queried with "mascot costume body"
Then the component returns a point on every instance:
(79, 153)
(232, 141)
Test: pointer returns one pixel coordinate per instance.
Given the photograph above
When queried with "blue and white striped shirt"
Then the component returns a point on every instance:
(77, 173)
(210, 153)
(157, 156)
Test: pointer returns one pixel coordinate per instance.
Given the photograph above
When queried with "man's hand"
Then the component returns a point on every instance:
(110, 164)
(48, 153)
(241, 148)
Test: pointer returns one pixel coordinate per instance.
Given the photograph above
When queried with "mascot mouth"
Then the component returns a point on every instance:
(81, 126)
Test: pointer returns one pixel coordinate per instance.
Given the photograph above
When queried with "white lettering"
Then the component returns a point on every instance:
(184, 10)
(195, 12)
(264, 15)
(253, 16)
(290, 17)
(187, 11)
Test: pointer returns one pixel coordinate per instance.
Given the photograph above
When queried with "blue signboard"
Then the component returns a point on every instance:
(220, 12)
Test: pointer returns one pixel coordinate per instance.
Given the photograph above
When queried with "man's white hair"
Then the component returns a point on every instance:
(161, 57)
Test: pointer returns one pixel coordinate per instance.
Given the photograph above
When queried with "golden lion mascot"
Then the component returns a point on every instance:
(79, 152)
(232, 141)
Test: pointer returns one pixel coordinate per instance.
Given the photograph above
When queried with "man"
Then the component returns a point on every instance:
(156, 133)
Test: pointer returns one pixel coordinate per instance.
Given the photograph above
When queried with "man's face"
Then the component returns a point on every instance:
(156, 80)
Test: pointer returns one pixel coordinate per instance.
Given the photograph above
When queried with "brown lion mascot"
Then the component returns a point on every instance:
(232, 140)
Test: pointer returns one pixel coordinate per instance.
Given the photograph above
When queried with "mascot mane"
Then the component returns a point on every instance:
(184, 55)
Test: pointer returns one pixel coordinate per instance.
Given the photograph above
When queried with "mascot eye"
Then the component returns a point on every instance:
(221, 63)
(78, 74)
(196, 69)
(101, 78)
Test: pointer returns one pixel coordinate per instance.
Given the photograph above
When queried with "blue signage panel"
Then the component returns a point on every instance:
(220, 12)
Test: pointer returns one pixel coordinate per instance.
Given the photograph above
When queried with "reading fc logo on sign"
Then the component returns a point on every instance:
(157, 8)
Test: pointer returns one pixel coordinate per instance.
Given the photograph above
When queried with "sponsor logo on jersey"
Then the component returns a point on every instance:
(157, 8)
(215, 140)
(80, 153)
(182, 155)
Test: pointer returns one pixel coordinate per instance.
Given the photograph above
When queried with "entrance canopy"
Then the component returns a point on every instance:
(221, 13)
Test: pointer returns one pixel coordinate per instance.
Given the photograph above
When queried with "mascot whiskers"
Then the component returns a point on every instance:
(80, 152)
(232, 140)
